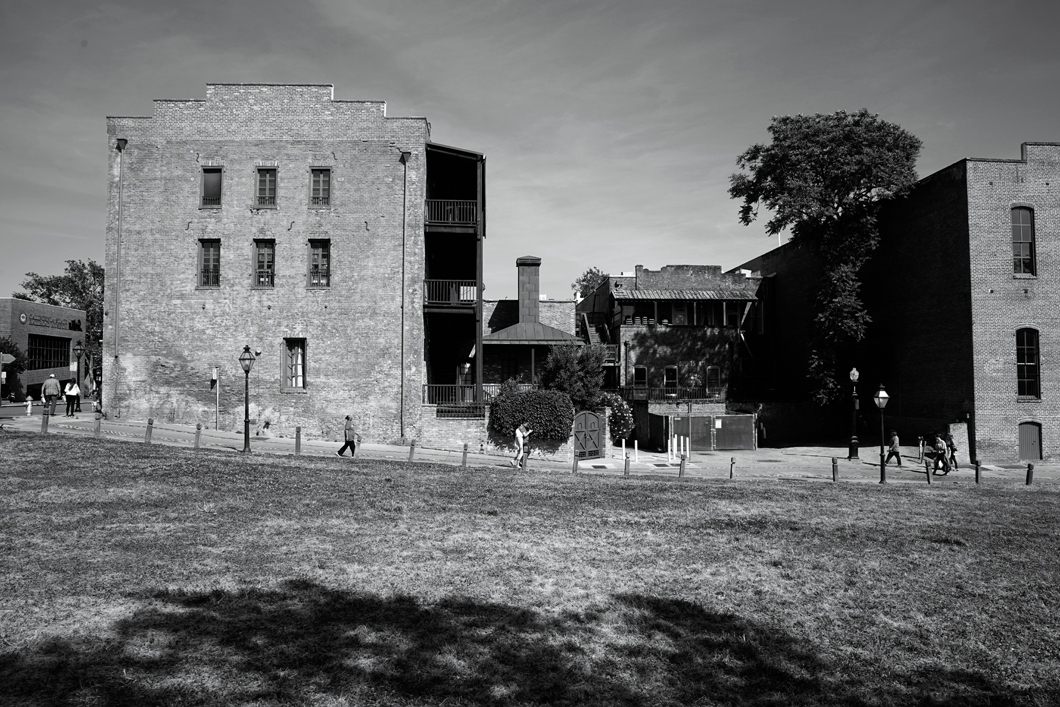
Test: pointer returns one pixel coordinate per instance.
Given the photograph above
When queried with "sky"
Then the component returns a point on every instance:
(610, 128)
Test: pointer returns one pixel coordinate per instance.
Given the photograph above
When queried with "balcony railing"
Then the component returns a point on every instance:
(463, 393)
(320, 201)
(456, 212)
(611, 354)
(320, 278)
(211, 201)
(672, 394)
(451, 293)
(210, 277)
(264, 278)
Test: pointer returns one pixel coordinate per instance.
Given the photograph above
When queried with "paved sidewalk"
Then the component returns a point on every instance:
(796, 463)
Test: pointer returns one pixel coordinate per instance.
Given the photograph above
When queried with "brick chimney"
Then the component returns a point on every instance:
(529, 288)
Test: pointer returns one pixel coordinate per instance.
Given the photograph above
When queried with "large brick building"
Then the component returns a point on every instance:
(342, 244)
(46, 334)
(963, 292)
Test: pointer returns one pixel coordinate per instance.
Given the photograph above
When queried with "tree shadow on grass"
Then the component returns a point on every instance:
(308, 644)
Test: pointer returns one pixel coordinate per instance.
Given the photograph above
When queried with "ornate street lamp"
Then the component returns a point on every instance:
(852, 452)
(881, 399)
(78, 351)
(246, 360)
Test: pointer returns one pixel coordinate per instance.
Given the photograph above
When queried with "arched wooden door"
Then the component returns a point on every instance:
(587, 436)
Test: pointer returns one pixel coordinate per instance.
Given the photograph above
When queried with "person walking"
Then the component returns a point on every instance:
(73, 394)
(941, 457)
(894, 450)
(521, 433)
(951, 449)
(50, 392)
(351, 438)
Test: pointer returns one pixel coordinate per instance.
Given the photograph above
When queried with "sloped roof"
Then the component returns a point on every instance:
(530, 333)
(624, 294)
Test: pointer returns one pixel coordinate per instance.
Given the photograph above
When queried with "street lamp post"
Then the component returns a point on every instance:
(246, 360)
(852, 452)
(78, 351)
(881, 399)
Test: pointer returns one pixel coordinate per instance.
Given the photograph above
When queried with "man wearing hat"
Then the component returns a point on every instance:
(50, 391)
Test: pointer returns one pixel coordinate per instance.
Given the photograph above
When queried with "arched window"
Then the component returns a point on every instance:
(1028, 373)
(1023, 258)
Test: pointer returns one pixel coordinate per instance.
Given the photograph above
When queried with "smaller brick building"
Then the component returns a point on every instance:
(964, 296)
(46, 334)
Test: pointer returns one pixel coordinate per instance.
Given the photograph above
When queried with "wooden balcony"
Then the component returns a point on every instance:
(451, 212)
(672, 394)
(463, 393)
(450, 293)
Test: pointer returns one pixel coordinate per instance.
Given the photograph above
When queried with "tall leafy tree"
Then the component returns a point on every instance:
(825, 177)
(577, 371)
(80, 287)
(587, 282)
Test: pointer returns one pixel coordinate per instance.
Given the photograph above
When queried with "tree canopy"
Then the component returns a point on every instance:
(587, 282)
(825, 177)
(577, 371)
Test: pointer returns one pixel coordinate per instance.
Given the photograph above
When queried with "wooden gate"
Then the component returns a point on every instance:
(1030, 441)
(587, 436)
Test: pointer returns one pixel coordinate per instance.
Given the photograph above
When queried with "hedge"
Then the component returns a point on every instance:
(549, 413)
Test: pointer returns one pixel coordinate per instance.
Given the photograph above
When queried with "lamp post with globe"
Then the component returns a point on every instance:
(246, 360)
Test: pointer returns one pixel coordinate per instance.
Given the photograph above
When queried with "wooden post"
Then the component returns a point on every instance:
(147, 433)
(626, 470)
(44, 421)
(525, 464)
(198, 434)
(298, 440)
(574, 469)
(681, 471)
(977, 471)
(928, 470)
(412, 449)
(1030, 474)
(835, 469)
(732, 466)
(99, 417)
(463, 464)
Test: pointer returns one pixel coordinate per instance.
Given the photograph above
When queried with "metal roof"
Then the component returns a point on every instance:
(624, 294)
(530, 333)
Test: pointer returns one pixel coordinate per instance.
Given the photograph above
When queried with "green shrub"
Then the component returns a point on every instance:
(620, 420)
(549, 413)
(576, 370)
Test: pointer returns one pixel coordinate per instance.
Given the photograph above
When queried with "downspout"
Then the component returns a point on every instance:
(405, 156)
(121, 143)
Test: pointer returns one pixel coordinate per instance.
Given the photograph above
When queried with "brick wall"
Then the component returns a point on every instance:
(172, 332)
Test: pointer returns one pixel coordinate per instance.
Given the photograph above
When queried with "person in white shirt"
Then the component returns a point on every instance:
(521, 433)
(73, 396)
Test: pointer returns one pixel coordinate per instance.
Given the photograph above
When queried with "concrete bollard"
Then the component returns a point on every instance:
(681, 471)
(625, 472)
(298, 440)
(99, 418)
(977, 471)
(1030, 474)
(198, 434)
(636, 451)
(623, 449)
(835, 469)
(463, 462)
(412, 450)
(147, 433)
(732, 466)
(44, 422)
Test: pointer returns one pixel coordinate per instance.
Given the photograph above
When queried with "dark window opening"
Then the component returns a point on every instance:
(1028, 375)
(264, 263)
(47, 352)
(1023, 256)
(211, 187)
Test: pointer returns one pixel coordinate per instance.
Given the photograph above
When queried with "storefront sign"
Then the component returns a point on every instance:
(49, 322)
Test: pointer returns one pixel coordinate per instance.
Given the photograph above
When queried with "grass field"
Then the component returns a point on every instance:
(137, 575)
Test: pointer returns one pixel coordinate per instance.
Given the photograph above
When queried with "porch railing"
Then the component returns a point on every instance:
(462, 393)
(457, 212)
(454, 293)
(672, 394)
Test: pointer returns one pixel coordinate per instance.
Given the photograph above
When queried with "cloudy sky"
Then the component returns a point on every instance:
(610, 127)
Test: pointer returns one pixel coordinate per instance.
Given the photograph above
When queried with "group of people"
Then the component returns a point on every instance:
(940, 447)
(51, 391)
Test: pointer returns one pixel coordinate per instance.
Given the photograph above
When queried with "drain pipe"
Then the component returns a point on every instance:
(405, 157)
(121, 143)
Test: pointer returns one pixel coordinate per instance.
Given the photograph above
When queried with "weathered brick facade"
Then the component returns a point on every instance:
(947, 304)
(164, 331)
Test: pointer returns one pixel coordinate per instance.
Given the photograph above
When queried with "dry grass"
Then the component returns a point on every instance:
(136, 575)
